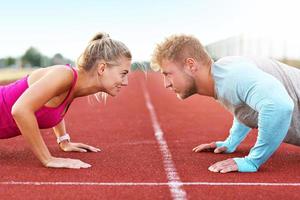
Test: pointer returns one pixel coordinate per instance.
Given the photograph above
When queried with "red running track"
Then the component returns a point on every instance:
(132, 165)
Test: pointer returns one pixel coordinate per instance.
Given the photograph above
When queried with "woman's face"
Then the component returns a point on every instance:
(116, 76)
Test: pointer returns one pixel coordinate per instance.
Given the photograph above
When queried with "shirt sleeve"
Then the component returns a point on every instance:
(265, 94)
(237, 134)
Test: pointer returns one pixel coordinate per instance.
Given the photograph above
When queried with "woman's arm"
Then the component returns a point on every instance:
(66, 145)
(54, 83)
(28, 126)
(60, 129)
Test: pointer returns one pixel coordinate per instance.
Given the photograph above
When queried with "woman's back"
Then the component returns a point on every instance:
(48, 116)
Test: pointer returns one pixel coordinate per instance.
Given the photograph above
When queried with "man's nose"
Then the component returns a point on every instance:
(167, 83)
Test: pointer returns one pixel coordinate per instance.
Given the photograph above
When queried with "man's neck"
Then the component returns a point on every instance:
(205, 82)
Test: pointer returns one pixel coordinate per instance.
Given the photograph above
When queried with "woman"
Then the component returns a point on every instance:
(41, 99)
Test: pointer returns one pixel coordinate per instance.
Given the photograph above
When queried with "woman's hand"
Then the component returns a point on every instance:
(78, 147)
(66, 163)
(210, 147)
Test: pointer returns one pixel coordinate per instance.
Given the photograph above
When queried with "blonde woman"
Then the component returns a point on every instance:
(41, 99)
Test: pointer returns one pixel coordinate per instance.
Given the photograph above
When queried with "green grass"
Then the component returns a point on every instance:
(9, 74)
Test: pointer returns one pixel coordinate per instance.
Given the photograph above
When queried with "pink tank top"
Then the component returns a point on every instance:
(47, 117)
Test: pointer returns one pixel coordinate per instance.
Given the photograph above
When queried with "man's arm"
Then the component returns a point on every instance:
(269, 98)
(238, 133)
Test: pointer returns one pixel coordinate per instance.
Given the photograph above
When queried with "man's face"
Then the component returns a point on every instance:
(178, 79)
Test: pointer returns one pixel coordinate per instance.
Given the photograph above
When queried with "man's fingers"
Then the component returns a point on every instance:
(217, 166)
(227, 169)
(202, 147)
(224, 166)
(220, 149)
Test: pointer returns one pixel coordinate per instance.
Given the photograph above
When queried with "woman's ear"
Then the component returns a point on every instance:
(101, 68)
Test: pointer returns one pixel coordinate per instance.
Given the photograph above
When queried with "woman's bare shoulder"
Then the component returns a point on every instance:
(55, 70)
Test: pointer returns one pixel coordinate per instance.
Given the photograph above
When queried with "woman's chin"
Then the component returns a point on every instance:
(113, 93)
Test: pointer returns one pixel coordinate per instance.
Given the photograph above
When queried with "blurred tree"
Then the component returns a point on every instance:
(46, 61)
(2, 62)
(32, 57)
(143, 66)
(9, 61)
(58, 59)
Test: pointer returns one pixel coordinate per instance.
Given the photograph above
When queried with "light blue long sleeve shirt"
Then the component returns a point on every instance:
(241, 86)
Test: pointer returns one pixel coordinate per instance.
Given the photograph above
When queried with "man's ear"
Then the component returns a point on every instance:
(101, 68)
(191, 65)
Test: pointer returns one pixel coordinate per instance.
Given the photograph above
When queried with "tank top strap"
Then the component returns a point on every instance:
(75, 73)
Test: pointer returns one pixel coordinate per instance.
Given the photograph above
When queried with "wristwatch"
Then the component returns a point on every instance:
(64, 137)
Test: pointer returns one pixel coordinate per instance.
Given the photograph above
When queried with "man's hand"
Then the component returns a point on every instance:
(210, 147)
(224, 166)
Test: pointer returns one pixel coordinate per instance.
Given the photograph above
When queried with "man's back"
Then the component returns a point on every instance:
(245, 67)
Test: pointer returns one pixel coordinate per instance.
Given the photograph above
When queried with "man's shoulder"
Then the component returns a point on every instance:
(234, 63)
(233, 70)
(232, 60)
(229, 60)
(244, 59)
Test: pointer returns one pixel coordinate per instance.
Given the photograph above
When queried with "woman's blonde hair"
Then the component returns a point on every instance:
(177, 48)
(102, 47)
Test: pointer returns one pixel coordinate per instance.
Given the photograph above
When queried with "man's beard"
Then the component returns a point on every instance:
(190, 88)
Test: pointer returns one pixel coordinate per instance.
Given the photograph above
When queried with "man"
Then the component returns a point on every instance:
(260, 93)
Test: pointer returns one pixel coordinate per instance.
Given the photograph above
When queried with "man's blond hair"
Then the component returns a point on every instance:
(177, 48)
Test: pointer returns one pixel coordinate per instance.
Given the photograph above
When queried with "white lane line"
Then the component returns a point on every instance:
(174, 182)
(147, 183)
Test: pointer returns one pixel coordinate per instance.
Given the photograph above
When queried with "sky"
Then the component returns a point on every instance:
(66, 26)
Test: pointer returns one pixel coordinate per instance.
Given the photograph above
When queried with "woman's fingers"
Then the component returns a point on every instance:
(88, 147)
(79, 164)
(78, 147)
(67, 163)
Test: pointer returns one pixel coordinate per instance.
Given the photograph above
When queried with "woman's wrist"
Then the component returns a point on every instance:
(63, 138)
(46, 161)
